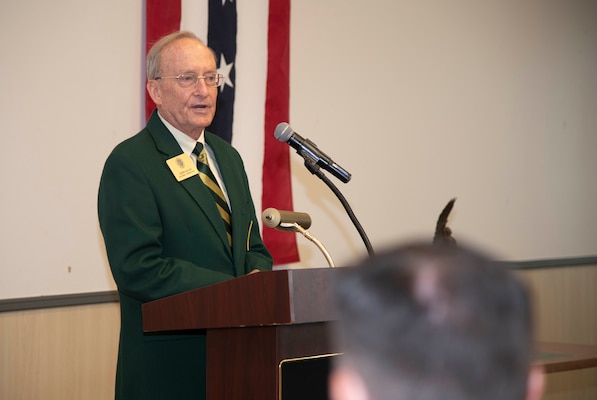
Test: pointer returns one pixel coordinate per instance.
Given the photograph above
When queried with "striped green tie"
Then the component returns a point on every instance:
(210, 181)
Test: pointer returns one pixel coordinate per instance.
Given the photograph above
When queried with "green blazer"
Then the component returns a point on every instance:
(164, 237)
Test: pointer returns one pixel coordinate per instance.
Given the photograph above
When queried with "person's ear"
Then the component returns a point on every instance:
(346, 384)
(535, 383)
(154, 90)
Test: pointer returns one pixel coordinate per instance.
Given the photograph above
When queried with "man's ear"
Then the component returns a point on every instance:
(536, 383)
(153, 88)
(346, 384)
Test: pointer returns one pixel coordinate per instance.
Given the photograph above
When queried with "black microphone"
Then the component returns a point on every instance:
(274, 218)
(309, 151)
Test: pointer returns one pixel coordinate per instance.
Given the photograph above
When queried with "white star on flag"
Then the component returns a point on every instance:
(225, 70)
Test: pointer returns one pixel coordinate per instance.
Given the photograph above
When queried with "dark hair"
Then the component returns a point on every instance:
(435, 322)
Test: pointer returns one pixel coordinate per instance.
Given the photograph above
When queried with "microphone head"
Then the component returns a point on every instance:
(271, 217)
(283, 132)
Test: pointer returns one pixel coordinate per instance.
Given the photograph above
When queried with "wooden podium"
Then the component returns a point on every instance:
(254, 324)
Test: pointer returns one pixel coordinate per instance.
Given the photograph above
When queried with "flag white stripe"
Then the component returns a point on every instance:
(249, 105)
(194, 17)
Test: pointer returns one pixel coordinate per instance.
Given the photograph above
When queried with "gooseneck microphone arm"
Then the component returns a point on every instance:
(315, 169)
(297, 228)
(291, 221)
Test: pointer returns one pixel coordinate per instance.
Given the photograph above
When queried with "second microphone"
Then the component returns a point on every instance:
(273, 218)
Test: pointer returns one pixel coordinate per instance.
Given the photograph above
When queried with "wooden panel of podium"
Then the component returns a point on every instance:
(256, 325)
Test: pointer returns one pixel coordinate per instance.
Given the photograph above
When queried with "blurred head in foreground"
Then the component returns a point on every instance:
(428, 322)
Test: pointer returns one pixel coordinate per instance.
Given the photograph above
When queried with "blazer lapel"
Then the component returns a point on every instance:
(166, 144)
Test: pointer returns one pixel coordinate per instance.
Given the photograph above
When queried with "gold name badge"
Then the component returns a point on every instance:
(182, 167)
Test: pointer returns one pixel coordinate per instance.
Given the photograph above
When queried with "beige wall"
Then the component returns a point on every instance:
(492, 102)
(61, 353)
(565, 300)
(70, 353)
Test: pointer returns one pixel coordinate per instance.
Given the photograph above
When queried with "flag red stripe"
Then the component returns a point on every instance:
(277, 191)
(162, 18)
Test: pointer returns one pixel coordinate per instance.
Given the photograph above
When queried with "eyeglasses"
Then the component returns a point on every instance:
(191, 79)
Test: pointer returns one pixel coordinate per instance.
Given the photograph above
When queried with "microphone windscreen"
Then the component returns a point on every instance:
(271, 217)
(283, 132)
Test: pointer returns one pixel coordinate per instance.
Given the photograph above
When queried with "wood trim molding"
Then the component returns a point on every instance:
(77, 299)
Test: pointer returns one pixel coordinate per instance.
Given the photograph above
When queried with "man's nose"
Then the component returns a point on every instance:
(201, 87)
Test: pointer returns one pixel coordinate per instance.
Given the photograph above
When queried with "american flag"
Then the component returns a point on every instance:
(216, 22)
